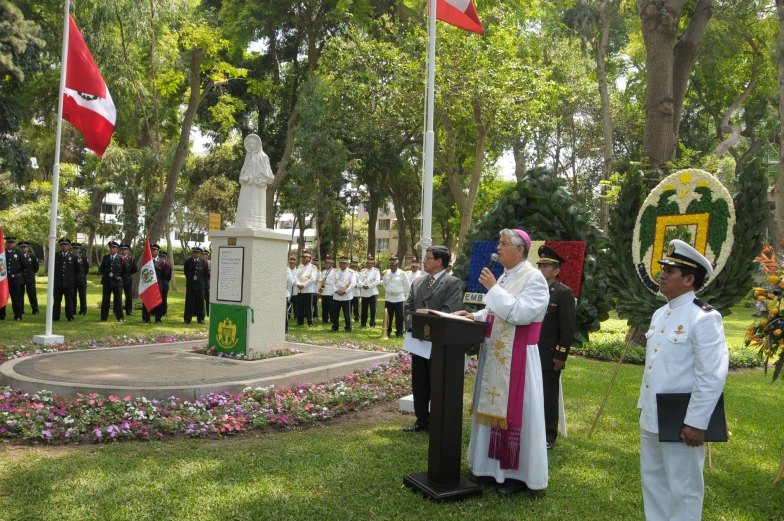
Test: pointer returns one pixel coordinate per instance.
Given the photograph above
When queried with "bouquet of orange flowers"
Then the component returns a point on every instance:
(767, 333)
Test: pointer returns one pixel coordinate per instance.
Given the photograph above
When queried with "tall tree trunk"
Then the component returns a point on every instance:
(372, 220)
(196, 97)
(518, 151)
(668, 66)
(607, 124)
(777, 225)
(283, 166)
(170, 252)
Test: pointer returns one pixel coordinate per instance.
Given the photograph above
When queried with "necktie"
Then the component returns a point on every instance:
(430, 282)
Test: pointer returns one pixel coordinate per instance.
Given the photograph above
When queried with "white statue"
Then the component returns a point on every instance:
(254, 177)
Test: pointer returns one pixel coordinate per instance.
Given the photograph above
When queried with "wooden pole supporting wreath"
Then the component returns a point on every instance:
(629, 338)
(780, 474)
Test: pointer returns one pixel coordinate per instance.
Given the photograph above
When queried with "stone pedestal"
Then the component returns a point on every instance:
(265, 253)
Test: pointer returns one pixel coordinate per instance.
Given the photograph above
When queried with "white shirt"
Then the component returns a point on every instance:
(396, 285)
(355, 287)
(521, 309)
(328, 286)
(413, 275)
(307, 274)
(291, 282)
(686, 352)
(342, 280)
(371, 278)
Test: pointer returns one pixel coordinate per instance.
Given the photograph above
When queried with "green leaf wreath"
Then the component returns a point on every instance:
(633, 301)
(541, 205)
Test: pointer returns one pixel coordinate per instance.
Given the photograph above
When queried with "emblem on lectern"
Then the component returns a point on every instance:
(427, 331)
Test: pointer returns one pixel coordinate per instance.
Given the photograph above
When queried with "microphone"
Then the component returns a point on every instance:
(493, 260)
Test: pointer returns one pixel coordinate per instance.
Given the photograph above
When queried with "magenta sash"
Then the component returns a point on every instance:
(505, 443)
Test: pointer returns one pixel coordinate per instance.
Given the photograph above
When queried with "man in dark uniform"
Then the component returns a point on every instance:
(66, 269)
(157, 263)
(194, 287)
(16, 264)
(112, 270)
(29, 275)
(166, 275)
(558, 329)
(129, 268)
(83, 265)
(205, 257)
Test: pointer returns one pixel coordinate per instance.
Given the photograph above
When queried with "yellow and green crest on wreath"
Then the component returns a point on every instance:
(691, 205)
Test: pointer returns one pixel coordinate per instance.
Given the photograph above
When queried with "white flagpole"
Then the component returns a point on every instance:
(49, 338)
(427, 177)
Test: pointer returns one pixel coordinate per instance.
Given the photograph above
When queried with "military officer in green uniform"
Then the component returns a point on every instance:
(556, 338)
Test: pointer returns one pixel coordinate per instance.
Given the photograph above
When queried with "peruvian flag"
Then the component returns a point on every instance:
(3, 272)
(149, 291)
(87, 104)
(461, 13)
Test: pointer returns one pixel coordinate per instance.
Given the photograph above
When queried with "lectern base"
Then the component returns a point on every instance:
(419, 482)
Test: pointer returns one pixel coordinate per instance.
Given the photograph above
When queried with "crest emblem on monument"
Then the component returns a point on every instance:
(227, 334)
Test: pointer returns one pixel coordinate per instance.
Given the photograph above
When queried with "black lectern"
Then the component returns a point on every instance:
(450, 337)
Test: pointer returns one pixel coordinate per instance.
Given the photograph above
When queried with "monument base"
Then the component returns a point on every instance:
(48, 340)
(463, 489)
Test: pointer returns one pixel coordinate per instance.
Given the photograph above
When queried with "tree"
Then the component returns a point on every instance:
(670, 54)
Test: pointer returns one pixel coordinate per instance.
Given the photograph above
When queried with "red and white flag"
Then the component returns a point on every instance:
(3, 272)
(87, 104)
(149, 291)
(461, 13)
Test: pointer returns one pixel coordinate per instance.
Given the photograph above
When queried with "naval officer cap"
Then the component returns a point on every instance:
(163, 254)
(114, 244)
(307, 255)
(329, 260)
(343, 258)
(393, 261)
(547, 255)
(76, 245)
(196, 250)
(682, 254)
(64, 241)
(292, 258)
(124, 246)
(10, 239)
(24, 244)
(154, 247)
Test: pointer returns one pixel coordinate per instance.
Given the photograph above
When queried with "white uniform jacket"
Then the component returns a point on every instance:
(307, 274)
(342, 280)
(413, 275)
(291, 282)
(372, 278)
(396, 285)
(328, 287)
(686, 353)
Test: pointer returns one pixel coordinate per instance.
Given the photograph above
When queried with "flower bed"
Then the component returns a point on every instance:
(96, 418)
(272, 353)
(18, 351)
(345, 344)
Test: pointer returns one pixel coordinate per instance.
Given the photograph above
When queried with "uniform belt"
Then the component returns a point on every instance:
(395, 294)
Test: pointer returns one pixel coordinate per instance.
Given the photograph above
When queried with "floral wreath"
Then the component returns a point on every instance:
(634, 301)
(691, 205)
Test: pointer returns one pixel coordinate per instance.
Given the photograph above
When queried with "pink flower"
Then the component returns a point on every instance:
(127, 399)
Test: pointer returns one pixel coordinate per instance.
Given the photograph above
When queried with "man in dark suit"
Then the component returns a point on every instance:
(16, 264)
(29, 275)
(194, 287)
(83, 265)
(112, 270)
(555, 340)
(129, 268)
(65, 273)
(157, 263)
(166, 276)
(205, 257)
(436, 290)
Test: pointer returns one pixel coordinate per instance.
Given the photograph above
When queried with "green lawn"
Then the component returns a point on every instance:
(89, 326)
(353, 468)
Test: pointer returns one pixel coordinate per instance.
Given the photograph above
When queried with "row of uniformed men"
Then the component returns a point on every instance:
(341, 288)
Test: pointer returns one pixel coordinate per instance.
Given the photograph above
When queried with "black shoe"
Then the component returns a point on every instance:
(415, 428)
(334, 330)
(157, 321)
(550, 445)
(18, 319)
(120, 320)
(70, 319)
(82, 313)
(486, 481)
(510, 487)
(372, 325)
(186, 322)
(145, 321)
(348, 330)
(201, 322)
(36, 312)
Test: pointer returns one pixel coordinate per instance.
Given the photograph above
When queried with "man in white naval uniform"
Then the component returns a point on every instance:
(414, 273)
(326, 293)
(291, 286)
(355, 289)
(508, 407)
(686, 352)
(371, 279)
(342, 281)
(397, 288)
(307, 284)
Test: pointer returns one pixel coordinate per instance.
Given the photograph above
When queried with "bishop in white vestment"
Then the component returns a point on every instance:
(508, 444)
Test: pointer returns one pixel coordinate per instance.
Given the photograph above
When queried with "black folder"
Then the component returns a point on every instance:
(672, 411)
